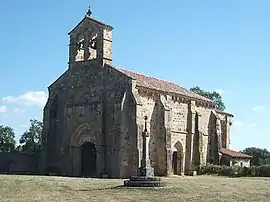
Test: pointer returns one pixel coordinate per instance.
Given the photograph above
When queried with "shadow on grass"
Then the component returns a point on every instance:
(121, 187)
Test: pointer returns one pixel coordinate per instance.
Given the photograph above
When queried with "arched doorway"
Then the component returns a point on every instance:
(178, 159)
(174, 166)
(88, 159)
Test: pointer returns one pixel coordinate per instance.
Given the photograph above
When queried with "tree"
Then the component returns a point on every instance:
(7, 138)
(214, 96)
(260, 156)
(31, 139)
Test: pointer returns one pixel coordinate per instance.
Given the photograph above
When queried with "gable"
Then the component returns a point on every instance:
(88, 19)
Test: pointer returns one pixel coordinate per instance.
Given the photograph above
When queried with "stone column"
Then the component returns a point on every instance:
(168, 139)
(190, 137)
(86, 47)
(99, 160)
(72, 50)
(146, 169)
(219, 139)
(228, 127)
(169, 161)
(75, 155)
(183, 159)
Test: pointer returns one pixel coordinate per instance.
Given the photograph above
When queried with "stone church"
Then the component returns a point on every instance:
(94, 116)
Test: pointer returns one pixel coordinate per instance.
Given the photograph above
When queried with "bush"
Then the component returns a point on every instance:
(264, 171)
(208, 169)
(235, 171)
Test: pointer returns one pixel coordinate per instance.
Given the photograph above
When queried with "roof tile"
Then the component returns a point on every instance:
(158, 84)
(232, 153)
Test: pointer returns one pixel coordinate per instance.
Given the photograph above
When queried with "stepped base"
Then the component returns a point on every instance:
(143, 181)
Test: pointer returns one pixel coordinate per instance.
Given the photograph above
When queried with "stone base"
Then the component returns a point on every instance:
(142, 181)
(192, 173)
(146, 171)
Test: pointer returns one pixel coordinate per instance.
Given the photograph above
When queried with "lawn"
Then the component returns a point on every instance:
(201, 188)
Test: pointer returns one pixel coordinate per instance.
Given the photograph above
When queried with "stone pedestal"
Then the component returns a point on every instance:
(143, 181)
(145, 177)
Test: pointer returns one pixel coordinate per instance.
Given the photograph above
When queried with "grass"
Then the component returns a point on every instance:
(201, 188)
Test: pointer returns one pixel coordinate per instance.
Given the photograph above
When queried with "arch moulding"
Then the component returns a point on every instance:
(82, 134)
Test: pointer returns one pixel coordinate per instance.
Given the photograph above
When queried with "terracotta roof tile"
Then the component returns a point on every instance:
(158, 84)
(232, 153)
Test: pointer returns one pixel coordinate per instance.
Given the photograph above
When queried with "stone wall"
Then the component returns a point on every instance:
(240, 162)
(230, 161)
(18, 163)
(188, 130)
(98, 100)
(121, 128)
(226, 122)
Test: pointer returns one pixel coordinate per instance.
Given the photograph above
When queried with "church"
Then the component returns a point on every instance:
(94, 116)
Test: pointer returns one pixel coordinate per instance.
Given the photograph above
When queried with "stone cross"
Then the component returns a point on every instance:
(146, 169)
(89, 12)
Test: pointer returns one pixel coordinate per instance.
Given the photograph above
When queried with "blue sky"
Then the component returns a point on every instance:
(218, 45)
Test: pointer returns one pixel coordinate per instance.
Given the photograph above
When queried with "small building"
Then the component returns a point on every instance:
(234, 158)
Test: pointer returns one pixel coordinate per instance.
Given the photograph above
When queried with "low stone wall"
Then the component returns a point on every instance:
(18, 163)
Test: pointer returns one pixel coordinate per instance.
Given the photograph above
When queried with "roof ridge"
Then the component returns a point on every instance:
(141, 74)
(161, 84)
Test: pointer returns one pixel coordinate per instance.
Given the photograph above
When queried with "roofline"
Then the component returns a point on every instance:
(242, 157)
(222, 112)
(49, 87)
(208, 101)
(222, 150)
(169, 92)
(90, 18)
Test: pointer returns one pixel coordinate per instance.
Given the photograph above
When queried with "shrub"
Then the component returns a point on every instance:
(227, 171)
(264, 171)
(208, 169)
(253, 171)
(235, 171)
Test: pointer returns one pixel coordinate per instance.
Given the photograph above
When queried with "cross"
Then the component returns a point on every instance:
(89, 12)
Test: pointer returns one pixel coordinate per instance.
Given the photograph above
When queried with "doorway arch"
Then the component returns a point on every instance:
(178, 158)
(88, 159)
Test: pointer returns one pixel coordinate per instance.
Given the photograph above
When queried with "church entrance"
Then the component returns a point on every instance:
(174, 161)
(178, 159)
(88, 159)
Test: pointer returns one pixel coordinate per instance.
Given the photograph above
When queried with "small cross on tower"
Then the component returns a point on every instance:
(89, 12)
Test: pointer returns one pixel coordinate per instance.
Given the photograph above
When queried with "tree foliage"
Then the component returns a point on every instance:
(260, 156)
(31, 139)
(214, 96)
(7, 138)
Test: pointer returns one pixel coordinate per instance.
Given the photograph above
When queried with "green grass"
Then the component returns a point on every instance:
(201, 188)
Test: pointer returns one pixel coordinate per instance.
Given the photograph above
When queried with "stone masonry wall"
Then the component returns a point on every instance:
(18, 163)
(120, 110)
(226, 121)
(204, 127)
(179, 125)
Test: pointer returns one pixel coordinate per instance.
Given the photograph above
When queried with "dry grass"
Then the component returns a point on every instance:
(202, 188)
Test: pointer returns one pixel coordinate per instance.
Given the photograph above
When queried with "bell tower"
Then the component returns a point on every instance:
(90, 42)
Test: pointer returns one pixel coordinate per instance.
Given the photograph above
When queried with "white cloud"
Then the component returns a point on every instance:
(37, 98)
(258, 108)
(3, 109)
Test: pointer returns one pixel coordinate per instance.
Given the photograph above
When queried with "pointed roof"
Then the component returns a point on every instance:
(161, 85)
(87, 17)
